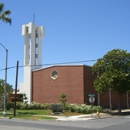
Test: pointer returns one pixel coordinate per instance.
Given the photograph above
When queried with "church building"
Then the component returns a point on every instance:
(45, 85)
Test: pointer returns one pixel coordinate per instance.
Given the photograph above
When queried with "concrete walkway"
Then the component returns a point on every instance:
(85, 117)
(77, 117)
(73, 118)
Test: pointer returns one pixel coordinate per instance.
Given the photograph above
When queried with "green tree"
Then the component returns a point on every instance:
(9, 89)
(4, 15)
(63, 99)
(24, 98)
(114, 73)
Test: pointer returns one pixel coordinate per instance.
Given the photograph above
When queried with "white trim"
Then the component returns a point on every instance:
(60, 66)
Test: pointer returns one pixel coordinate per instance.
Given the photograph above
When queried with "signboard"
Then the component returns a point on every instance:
(91, 99)
(5, 94)
(91, 95)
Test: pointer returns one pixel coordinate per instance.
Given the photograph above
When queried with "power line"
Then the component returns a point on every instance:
(50, 64)
(8, 68)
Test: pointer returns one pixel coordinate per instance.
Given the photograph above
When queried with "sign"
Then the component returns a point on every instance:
(91, 99)
(5, 94)
(91, 95)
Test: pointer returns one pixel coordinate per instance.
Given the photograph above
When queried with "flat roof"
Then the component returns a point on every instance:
(64, 65)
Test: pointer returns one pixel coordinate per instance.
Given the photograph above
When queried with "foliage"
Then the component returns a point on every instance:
(33, 105)
(57, 108)
(9, 105)
(4, 15)
(82, 108)
(63, 99)
(113, 72)
(9, 90)
(24, 99)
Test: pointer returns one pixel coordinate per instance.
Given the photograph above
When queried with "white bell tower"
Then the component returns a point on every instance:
(32, 55)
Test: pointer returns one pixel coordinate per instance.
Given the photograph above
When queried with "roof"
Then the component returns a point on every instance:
(61, 66)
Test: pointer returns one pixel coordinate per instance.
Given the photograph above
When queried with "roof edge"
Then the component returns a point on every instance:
(61, 66)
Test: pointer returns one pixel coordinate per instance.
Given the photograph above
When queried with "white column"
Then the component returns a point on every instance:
(26, 47)
(26, 50)
(27, 85)
(32, 44)
(39, 47)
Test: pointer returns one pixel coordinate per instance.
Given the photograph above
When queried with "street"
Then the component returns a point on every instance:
(117, 123)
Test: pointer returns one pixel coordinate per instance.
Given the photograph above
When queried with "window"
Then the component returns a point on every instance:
(54, 74)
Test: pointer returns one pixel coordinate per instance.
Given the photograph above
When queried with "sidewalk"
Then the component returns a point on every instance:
(85, 117)
(80, 117)
(74, 118)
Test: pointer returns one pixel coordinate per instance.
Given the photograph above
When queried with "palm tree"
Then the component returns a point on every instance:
(4, 15)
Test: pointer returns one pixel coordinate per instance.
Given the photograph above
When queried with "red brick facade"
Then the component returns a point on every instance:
(75, 81)
(69, 81)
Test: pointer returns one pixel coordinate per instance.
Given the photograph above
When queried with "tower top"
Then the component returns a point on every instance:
(31, 28)
(33, 44)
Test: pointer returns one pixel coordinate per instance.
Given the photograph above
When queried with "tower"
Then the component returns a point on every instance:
(32, 55)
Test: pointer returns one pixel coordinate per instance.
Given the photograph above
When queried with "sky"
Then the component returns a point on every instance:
(75, 31)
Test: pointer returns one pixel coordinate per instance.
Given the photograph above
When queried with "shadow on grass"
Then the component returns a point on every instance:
(26, 113)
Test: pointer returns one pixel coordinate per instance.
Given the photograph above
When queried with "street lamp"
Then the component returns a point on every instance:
(4, 113)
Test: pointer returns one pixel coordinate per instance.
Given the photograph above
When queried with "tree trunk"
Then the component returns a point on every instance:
(119, 104)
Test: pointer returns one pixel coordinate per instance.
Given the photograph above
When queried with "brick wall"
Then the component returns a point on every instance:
(104, 100)
(69, 81)
(75, 81)
(88, 84)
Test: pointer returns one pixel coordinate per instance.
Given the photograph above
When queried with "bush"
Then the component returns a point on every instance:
(47, 106)
(19, 105)
(82, 108)
(9, 105)
(57, 107)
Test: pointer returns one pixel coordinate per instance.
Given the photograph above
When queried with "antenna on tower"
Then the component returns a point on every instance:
(34, 18)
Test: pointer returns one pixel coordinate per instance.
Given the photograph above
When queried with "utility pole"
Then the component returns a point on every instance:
(16, 81)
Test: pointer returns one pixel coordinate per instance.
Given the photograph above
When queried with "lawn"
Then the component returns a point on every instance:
(36, 114)
(29, 114)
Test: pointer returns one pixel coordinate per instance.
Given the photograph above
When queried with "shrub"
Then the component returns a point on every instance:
(47, 106)
(9, 105)
(57, 107)
(82, 108)
(63, 99)
(19, 105)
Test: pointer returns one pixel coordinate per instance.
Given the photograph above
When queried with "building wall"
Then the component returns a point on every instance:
(88, 84)
(75, 81)
(69, 81)
(104, 99)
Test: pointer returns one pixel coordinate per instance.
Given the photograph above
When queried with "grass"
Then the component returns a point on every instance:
(30, 114)
(36, 114)
(34, 117)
